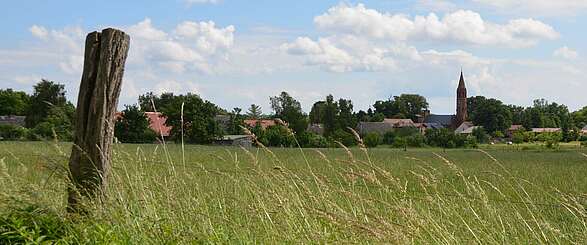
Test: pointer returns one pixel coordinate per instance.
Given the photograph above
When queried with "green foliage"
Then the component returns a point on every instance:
(445, 138)
(32, 225)
(198, 117)
(403, 106)
(47, 94)
(278, 136)
(372, 140)
(388, 138)
(519, 136)
(12, 132)
(400, 142)
(289, 110)
(492, 114)
(344, 137)
(13, 102)
(312, 140)
(58, 124)
(254, 112)
(480, 135)
(133, 126)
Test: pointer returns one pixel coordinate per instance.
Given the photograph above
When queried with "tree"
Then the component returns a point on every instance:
(199, 125)
(13, 102)
(492, 114)
(133, 126)
(480, 135)
(289, 110)
(345, 117)
(317, 112)
(372, 140)
(404, 106)
(254, 112)
(580, 117)
(46, 94)
(329, 115)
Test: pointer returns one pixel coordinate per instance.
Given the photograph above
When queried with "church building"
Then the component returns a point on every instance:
(453, 121)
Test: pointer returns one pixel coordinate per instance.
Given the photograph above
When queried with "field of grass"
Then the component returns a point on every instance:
(158, 194)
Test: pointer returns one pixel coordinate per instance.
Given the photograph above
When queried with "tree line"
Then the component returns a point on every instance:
(49, 115)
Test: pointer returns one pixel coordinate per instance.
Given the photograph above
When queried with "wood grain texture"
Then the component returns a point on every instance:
(104, 59)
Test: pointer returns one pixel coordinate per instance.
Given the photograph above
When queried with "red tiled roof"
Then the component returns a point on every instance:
(265, 123)
(157, 123)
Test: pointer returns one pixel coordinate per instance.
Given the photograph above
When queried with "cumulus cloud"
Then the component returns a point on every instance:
(190, 46)
(67, 45)
(39, 32)
(566, 53)
(339, 55)
(538, 7)
(460, 26)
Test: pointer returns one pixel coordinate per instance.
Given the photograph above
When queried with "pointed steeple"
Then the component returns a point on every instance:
(462, 80)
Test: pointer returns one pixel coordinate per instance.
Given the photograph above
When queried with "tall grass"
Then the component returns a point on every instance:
(192, 194)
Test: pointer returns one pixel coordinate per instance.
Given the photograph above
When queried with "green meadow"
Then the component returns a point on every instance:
(169, 194)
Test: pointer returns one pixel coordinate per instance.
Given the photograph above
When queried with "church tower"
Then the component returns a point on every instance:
(461, 102)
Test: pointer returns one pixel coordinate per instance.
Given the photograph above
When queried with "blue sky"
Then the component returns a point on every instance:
(235, 53)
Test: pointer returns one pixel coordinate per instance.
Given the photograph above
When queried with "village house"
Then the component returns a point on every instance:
(12, 120)
(156, 123)
(584, 130)
(235, 140)
(465, 128)
(264, 123)
(513, 129)
(546, 130)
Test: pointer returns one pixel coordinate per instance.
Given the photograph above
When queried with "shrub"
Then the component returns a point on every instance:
(416, 140)
(518, 137)
(343, 137)
(480, 135)
(372, 140)
(388, 138)
(278, 136)
(312, 140)
(400, 142)
(12, 132)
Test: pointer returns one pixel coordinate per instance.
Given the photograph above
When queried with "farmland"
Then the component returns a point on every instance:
(204, 194)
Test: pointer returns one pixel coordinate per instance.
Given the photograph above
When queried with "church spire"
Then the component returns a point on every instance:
(462, 81)
(461, 115)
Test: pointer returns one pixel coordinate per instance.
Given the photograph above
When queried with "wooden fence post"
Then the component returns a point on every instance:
(89, 163)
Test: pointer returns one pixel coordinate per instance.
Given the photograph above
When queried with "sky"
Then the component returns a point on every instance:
(239, 52)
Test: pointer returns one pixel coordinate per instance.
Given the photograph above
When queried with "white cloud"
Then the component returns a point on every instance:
(436, 5)
(191, 2)
(39, 32)
(460, 26)
(190, 46)
(565, 52)
(65, 44)
(538, 7)
(27, 80)
(340, 55)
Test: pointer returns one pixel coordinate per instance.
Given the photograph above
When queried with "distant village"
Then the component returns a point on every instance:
(403, 121)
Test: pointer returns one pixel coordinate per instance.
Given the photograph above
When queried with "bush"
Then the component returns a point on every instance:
(583, 138)
(343, 137)
(416, 140)
(372, 140)
(400, 142)
(278, 136)
(445, 138)
(388, 138)
(12, 132)
(480, 135)
(518, 137)
(312, 140)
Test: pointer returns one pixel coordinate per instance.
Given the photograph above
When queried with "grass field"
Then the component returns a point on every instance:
(496, 195)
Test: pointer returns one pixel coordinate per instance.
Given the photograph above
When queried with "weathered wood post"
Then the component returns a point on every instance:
(89, 163)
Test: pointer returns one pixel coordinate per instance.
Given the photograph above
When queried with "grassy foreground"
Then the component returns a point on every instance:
(233, 195)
